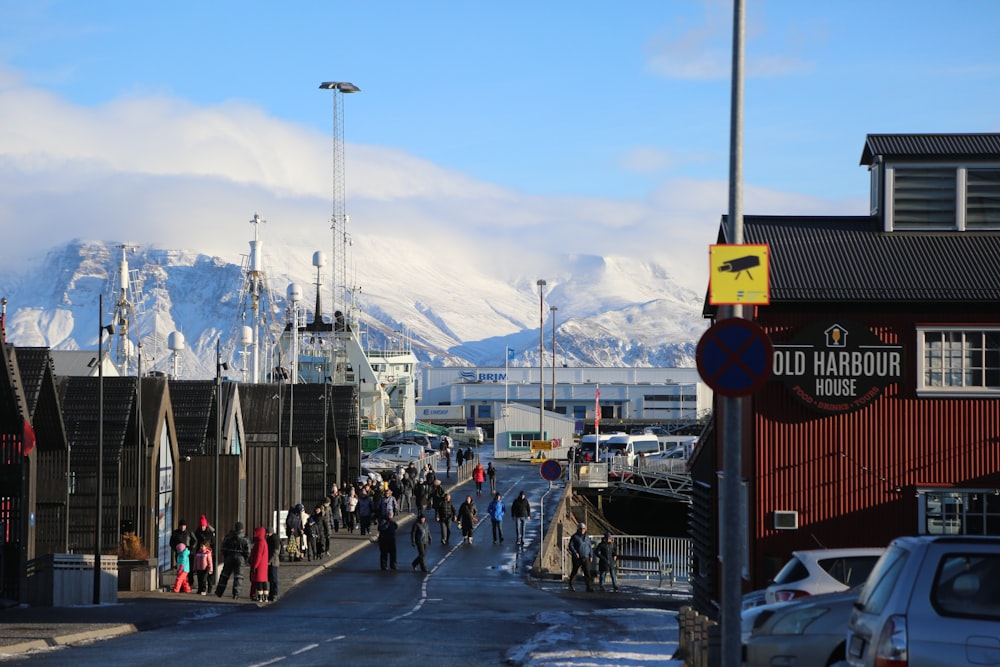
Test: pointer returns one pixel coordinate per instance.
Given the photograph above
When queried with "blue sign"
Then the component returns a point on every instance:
(550, 470)
(734, 357)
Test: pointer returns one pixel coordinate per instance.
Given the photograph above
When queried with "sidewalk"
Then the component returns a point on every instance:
(26, 628)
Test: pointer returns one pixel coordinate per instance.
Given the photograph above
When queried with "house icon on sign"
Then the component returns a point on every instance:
(836, 336)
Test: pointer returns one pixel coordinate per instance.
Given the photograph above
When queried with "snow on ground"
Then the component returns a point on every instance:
(601, 638)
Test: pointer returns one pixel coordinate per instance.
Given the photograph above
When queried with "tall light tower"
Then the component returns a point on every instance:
(338, 221)
(541, 358)
(553, 309)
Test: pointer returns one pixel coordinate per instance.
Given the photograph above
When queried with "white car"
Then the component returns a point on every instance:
(822, 571)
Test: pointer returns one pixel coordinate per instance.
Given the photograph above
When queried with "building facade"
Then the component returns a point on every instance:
(881, 416)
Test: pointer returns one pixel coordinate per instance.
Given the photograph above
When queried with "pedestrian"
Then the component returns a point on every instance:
(520, 511)
(479, 476)
(310, 537)
(181, 583)
(204, 533)
(580, 552)
(444, 514)
(350, 510)
(420, 537)
(437, 494)
(406, 493)
(366, 509)
(429, 475)
(294, 531)
(387, 527)
(388, 505)
(204, 566)
(273, 561)
(606, 557)
(420, 494)
(181, 535)
(491, 472)
(459, 457)
(336, 509)
(259, 557)
(446, 454)
(468, 517)
(468, 453)
(496, 510)
(324, 526)
(236, 555)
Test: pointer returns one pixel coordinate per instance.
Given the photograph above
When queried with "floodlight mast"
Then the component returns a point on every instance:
(338, 220)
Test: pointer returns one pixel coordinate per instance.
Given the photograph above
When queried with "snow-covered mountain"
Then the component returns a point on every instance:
(611, 311)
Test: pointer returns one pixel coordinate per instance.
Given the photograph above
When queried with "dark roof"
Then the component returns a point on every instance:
(80, 397)
(851, 259)
(193, 402)
(931, 147)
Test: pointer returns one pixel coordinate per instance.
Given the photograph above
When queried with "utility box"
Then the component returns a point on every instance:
(62, 580)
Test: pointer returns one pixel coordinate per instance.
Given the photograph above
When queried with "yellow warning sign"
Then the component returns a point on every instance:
(740, 274)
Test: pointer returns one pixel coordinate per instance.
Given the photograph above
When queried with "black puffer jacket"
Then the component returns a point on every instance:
(236, 545)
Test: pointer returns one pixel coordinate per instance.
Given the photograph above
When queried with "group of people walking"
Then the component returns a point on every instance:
(359, 507)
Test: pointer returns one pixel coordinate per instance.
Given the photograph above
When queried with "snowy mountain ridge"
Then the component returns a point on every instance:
(610, 311)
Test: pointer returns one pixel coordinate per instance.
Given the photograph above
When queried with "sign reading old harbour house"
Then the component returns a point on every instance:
(837, 367)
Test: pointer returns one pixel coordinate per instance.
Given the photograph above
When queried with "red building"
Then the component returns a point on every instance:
(881, 416)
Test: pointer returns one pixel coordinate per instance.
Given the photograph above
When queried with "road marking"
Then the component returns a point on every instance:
(305, 648)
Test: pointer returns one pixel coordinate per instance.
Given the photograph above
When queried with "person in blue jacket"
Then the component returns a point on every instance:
(496, 510)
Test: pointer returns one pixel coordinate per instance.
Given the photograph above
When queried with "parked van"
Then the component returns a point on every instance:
(632, 448)
(472, 436)
(585, 450)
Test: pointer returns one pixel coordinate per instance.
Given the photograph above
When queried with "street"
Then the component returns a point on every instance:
(476, 605)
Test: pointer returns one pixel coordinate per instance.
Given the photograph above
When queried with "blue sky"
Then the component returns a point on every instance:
(585, 127)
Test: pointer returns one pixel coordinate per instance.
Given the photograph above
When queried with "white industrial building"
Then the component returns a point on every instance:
(647, 395)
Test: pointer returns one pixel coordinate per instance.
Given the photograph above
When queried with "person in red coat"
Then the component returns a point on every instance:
(479, 476)
(258, 565)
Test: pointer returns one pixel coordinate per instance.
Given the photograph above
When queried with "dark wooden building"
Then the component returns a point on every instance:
(881, 417)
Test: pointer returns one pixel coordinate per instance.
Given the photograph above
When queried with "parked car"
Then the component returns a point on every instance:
(423, 439)
(391, 455)
(807, 631)
(931, 600)
(369, 475)
(818, 571)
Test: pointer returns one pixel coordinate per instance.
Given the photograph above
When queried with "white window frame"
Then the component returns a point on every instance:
(961, 373)
(952, 511)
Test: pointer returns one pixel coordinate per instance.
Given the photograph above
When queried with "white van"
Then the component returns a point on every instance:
(632, 447)
(472, 436)
(585, 450)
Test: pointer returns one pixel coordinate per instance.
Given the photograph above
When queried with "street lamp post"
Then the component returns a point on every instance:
(541, 358)
(553, 310)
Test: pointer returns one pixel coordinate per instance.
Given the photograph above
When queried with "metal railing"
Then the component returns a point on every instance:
(673, 554)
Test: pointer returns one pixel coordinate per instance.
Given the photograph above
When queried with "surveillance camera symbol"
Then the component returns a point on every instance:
(739, 265)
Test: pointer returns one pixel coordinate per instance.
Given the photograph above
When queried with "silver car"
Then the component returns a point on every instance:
(809, 631)
(932, 601)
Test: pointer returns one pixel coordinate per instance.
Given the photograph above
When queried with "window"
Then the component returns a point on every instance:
(522, 440)
(982, 199)
(953, 360)
(952, 197)
(960, 512)
(923, 199)
(483, 412)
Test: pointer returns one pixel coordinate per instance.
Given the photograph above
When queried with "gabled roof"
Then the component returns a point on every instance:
(194, 411)
(824, 259)
(931, 147)
(80, 398)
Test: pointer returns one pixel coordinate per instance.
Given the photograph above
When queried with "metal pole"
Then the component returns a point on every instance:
(99, 526)
(277, 499)
(326, 452)
(541, 359)
(553, 309)
(218, 448)
(732, 529)
(138, 444)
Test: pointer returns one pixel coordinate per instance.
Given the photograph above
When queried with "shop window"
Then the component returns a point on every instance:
(960, 512)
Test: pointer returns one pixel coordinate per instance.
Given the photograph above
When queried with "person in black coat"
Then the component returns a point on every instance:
(444, 515)
(420, 537)
(236, 556)
(182, 535)
(387, 527)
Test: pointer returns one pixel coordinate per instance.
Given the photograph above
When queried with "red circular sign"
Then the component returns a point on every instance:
(734, 357)
(550, 470)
